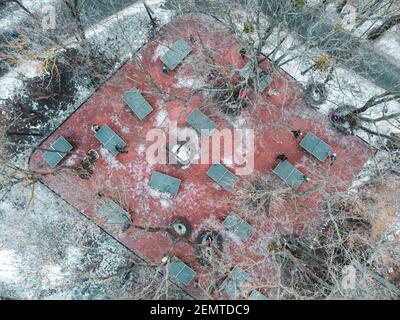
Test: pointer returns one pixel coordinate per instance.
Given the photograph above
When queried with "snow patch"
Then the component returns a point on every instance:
(132, 10)
(165, 198)
(73, 255)
(389, 44)
(110, 159)
(192, 83)
(158, 194)
(228, 161)
(71, 161)
(8, 266)
(125, 130)
(141, 149)
(53, 275)
(164, 203)
(161, 118)
(159, 52)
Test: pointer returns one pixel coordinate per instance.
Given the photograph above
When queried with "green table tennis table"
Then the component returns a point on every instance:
(200, 122)
(61, 148)
(316, 146)
(181, 271)
(178, 52)
(109, 139)
(233, 284)
(238, 226)
(289, 174)
(137, 103)
(222, 176)
(164, 183)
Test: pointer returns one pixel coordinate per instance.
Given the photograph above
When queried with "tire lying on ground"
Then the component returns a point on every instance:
(317, 93)
(181, 227)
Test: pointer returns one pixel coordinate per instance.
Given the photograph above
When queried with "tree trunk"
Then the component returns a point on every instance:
(25, 8)
(76, 14)
(391, 138)
(383, 118)
(378, 32)
(378, 99)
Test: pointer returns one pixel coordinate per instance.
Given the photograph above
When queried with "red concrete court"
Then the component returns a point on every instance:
(125, 178)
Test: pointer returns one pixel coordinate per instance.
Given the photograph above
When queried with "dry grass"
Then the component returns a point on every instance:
(382, 200)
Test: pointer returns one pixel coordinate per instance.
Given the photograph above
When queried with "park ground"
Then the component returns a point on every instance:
(125, 178)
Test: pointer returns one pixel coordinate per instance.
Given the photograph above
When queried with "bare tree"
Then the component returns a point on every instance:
(352, 118)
